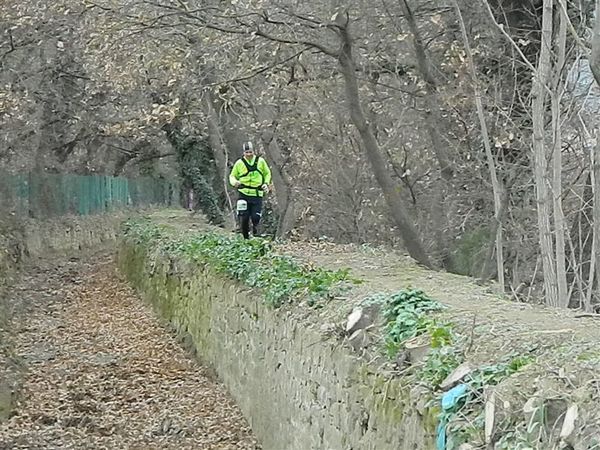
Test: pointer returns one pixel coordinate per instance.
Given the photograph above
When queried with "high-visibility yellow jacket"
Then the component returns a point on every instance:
(252, 174)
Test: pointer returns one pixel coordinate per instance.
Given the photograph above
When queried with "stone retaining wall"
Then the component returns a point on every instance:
(298, 389)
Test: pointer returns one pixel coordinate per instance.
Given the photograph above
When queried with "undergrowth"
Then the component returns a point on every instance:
(409, 314)
(251, 261)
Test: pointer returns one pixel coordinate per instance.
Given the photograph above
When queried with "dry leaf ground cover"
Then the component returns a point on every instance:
(100, 372)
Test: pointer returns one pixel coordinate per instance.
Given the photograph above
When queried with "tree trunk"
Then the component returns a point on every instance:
(581, 235)
(219, 149)
(539, 87)
(595, 54)
(266, 116)
(433, 120)
(283, 189)
(594, 265)
(497, 187)
(496, 240)
(408, 232)
(558, 215)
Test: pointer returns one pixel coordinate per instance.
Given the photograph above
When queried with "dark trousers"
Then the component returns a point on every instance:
(253, 213)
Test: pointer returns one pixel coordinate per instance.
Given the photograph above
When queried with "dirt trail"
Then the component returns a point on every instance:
(385, 270)
(101, 372)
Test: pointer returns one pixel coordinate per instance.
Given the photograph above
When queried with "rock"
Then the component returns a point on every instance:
(569, 422)
(490, 415)
(456, 376)
(417, 349)
(402, 360)
(354, 319)
(361, 318)
(359, 340)
(421, 394)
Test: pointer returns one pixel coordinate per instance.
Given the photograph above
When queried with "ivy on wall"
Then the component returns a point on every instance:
(198, 172)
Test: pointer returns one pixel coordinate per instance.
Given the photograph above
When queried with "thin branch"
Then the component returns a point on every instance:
(319, 47)
(12, 45)
(11, 41)
(508, 37)
(259, 71)
(514, 44)
(585, 47)
(151, 157)
(315, 23)
(497, 188)
(72, 75)
(122, 149)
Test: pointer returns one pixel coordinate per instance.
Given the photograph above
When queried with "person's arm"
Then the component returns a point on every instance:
(234, 175)
(266, 171)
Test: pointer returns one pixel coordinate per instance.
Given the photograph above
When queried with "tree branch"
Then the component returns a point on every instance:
(319, 47)
(12, 45)
(514, 44)
(500, 27)
(259, 71)
(151, 157)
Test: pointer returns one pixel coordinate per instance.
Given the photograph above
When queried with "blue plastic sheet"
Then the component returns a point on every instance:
(449, 401)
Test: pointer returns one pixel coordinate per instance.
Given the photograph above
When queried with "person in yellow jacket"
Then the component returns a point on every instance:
(251, 176)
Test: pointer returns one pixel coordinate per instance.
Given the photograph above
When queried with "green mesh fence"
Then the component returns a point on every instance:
(48, 195)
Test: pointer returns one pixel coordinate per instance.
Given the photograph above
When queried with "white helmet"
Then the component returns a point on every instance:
(247, 147)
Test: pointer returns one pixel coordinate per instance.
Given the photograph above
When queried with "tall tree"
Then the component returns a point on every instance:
(398, 209)
(595, 178)
(549, 200)
(497, 187)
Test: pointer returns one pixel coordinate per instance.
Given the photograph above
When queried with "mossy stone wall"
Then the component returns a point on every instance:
(298, 389)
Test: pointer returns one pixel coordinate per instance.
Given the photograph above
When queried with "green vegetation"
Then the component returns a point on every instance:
(252, 261)
(198, 172)
(465, 420)
(468, 252)
(411, 313)
(407, 314)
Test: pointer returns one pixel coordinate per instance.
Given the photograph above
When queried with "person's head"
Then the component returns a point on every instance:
(248, 150)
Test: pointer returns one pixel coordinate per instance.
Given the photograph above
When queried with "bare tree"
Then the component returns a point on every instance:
(548, 82)
(498, 188)
(397, 207)
(595, 53)
(556, 95)
(347, 67)
(595, 66)
(433, 119)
